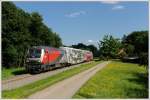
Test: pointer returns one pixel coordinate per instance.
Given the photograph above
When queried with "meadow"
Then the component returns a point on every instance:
(117, 80)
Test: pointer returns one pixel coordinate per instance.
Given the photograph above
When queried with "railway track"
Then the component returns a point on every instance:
(25, 79)
(16, 78)
(20, 77)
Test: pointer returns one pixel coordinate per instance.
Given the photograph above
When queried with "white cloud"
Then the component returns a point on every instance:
(90, 41)
(75, 14)
(118, 7)
(114, 3)
(110, 2)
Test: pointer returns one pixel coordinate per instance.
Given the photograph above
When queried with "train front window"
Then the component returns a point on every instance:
(34, 53)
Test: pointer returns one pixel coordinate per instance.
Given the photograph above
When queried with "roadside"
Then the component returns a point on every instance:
(24, 91)
(117, 80)
(68, 87)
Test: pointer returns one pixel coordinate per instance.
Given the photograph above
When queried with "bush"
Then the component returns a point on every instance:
(144, 58)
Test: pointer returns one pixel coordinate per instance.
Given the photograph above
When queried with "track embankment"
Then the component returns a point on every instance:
(67, 88)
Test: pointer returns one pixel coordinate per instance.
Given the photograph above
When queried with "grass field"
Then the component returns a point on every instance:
(117, 80)
(23, 92)
(8, 73)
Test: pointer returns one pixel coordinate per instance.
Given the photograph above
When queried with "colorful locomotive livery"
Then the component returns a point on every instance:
(42, 58)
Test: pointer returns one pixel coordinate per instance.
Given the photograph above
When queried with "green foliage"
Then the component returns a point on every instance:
(139, 39)
(94, 50)
(117, 80)
(144, 59)
(130, 49)
(136, 44)
(80, 46)
(57, 40)
(20, 31)
(109, 47)
(11, 54)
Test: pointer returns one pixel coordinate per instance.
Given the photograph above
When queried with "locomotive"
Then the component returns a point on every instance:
(43, 58)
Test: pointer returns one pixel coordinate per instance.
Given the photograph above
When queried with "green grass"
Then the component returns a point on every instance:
(25, 91)
(117, 80)
(8, 73)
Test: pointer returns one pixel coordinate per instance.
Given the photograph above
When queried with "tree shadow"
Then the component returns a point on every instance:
(134, 61)
(138, 92)
(20, 72)
(118, 60)
(97, 60)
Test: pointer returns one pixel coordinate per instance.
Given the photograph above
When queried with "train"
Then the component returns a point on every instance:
(44, 58)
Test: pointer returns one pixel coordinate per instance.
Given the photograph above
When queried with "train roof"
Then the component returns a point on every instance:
(75, 49)
(48, 47)
(70, 48)
(44, 47)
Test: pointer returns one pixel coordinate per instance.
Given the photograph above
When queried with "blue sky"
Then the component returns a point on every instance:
(88, 22)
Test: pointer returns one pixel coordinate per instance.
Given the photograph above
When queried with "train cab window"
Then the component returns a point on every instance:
(34, 53)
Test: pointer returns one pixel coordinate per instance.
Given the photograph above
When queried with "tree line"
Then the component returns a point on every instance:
(20, 31)
(134, 44)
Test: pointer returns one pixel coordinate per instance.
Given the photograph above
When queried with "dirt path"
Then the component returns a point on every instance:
(67, 88)
(25, 79)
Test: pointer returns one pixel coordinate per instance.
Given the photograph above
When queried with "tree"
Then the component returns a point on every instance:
(136, 44)
(36, 28)
(130, 50)
(20, 31)
(109, 47)
(80, 46)
(57, 40)
(15, 23)
(139, 39)
(94, 50)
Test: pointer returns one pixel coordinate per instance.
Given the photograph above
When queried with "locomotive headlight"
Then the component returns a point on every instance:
(39, 60)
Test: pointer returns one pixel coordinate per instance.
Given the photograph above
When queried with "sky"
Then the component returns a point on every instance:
(88, 22)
